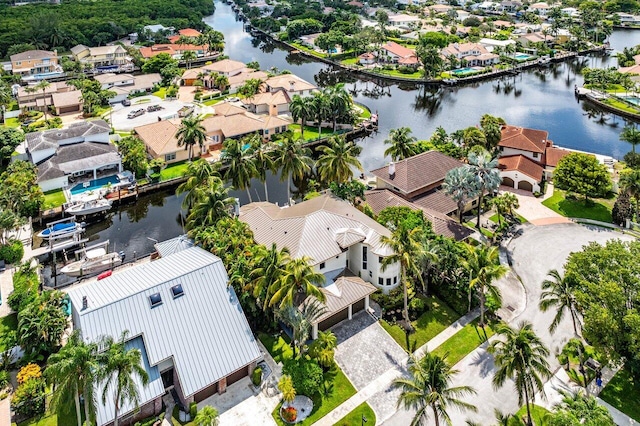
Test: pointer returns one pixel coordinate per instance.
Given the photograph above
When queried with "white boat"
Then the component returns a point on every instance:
(84, 208)
(93, 262)
(61, 229)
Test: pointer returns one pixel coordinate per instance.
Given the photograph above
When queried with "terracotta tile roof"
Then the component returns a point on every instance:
(278, 97)
(521, 164)
(419, 171)
(398, 50)
(189, 32)
(553, 155)
(241, 78)
(524, 139)
(379, 199)
(241, 124)
(171, 49)
(160, 136)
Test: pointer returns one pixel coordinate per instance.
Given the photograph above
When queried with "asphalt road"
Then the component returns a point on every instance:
(120, 112)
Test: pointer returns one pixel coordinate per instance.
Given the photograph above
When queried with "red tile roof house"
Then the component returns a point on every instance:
(526, 157)
(395, 53)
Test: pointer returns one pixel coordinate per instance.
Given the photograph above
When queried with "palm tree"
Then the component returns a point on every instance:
(198, 172)
(459, 185)
(339, 101)
(211, 203)
(190, 133)
(631, 134)
(408, 252)
(429, 387)
(120, 367)
(486, 175)
(302, 109)
(321, 108)
(558, 293)
(298, 279)
(240, 167)
(301, 321)
(630, 183)
(293, 159)
(338, 159)
(262, 157)
(483, 265)
(402, 144)
(72, 372)
(271, 266)
(43, 85)
(5, 98)
(207, 416)
(188, 57)
(520, 356)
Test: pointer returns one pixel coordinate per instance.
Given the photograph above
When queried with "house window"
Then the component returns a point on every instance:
(170, 157)
(364, 257)
(501, 148)
(380, 281)
(474, 202)
(347, 263)
(380, 259)
(535, 155)
(388, 281)
(322, 265)
(266, 131)
(395, 280)
(215, 138)
(370, 274)
(155, 300)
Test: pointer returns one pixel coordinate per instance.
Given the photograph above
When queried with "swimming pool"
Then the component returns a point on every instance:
(632, 99)
(466, 70)
(94, 184)
(523, 56)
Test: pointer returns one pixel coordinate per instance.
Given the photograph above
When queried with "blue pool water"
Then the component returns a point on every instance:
(523, 56)
(632, 99)
(94, 184)
(463, 70)
(47, 74)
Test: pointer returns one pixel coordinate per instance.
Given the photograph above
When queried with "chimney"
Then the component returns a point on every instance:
(85, 303)
(292, 85)
(392, 169)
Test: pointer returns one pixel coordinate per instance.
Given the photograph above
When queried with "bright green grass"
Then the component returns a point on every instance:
(600, 209)
(623, 392)
(355, 417)
(427, 326)
(53, 199)
(364, 111)
(68, 419)
(395, 73)
(173, 171)
(8, 323)
(12, 122)
(161, 92)
(464, 342)
(537, 413)
(311, 132)
(278, 347)
(350, 61)
(494, 218)
(621, 105)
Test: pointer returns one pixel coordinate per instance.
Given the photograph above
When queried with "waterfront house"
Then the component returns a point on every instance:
(290, 83)
(404, 21)
(367, 59)
(438, 9)
(271, 103)
(474, 54)
(161, 142)
(101, 57)
(64, 155)
(309, 40)
(392, 52)
(125, 85)
(510, 6)
(183, 316)
(174, 50)
(34, 62)
(226, 67)
(526, 40)
(343, 243)
(236, 72)
(419, 179)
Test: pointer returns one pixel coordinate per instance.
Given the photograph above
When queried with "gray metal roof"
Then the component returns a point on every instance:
(51, 138)
(174, 245)
(77, 157)
(204, 331)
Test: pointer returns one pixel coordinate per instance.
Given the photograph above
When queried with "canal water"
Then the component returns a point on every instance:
(542, 99)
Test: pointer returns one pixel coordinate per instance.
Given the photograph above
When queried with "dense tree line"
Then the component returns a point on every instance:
(75, 22)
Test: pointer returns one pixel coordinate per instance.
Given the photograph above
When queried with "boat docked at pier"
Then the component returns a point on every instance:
(93, 260)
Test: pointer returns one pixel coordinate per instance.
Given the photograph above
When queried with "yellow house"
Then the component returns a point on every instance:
(100, 56)
(34, 62)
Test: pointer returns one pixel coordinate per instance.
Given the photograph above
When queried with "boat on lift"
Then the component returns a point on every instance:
(93, 261)
(84, 208)
(59, 230)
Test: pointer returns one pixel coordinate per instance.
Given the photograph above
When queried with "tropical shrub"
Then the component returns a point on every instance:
(622, 209)
(29, 398)
(417, 306)
(193, 410)
(256, 376)
(4, 379)
(29, 372)
(12, 252)
(289, 414)
(285, 385)
(306, 375)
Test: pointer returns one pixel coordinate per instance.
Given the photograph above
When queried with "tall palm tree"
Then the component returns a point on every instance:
(198, 172)
(408, 252)
(301, 321)
(240, 167)
(302, 109)
(73, 373)
(262, 157)
(271, 264)
(558, 293)
(321, 108)
(293, 160)
(211, 203)
(429, 387)
(401, 144)
(298, 280)
(5, 98)
(630, 183)
(459, 185)
(339, 101)
(520, 355)
(190, 133)
(188, 57)
(43, 85)
(338, 159)
(120, 367)
(207, 416)
(631, 134)
(483, 265)
(486, 175)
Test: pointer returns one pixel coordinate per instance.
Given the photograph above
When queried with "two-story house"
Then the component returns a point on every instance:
(127, 84)
(474, 54)
(340, 242)
(34, 62)
(102, 56)
(392, 52)
(290, 83)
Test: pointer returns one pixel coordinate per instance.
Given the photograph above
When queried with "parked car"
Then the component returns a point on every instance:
(152, 108)
(233, 99)
(126, 102)
(136, 113)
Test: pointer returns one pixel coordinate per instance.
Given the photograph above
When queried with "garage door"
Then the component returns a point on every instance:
(507, 181)
(67, 110)
(334, 319)
(206, 392)
(527, 186)
(358, 306)
(234, 377)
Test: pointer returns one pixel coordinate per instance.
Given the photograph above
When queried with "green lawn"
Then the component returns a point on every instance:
(161, 92)
(464, 342)
(395, 73)
(278, 347)
(311, 132)
(8, 323)
(600, 209)
(12, 122)
(537, 413)
(427, 326)
(53, 199)
(355, 417)
(68, 419)
(494, 218)
(623, 392)
(364, 111)
(173, 171)
(350, 61)
(615, 103)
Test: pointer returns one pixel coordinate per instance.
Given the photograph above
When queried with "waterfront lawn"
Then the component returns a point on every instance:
(464, 342)
(53, 199)
(395, 73)
(597, 209)
(7, 324)
(623, 392)
(428, 325)
(311, 132)
(350, 61)
(615, 103)
(173, 171)
(538, 413)
(355, 417)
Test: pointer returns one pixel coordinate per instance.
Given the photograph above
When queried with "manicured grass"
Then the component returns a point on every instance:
(537, 413)
(364, 111)
(68, 419)
(311, 132)
(12, 122)
(8, 323)
(621, 105)
(494, 218)
(53, 199)
(278, 347)
(173, 171)
(427, 326)
(350, 61)
(161, 92)
(600, 209)
(464, 342)
(395, 73)
(355, 417)
(623, 392)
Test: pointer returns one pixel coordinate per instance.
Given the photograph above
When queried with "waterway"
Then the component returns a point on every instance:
(542, 99)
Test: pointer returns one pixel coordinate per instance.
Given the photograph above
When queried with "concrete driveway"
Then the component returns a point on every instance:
(532, 209)
(120, 112)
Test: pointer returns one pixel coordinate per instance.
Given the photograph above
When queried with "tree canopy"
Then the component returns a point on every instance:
(582, 174)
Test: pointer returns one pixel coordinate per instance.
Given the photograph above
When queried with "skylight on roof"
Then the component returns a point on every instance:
(155, 299)
(177, 291)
